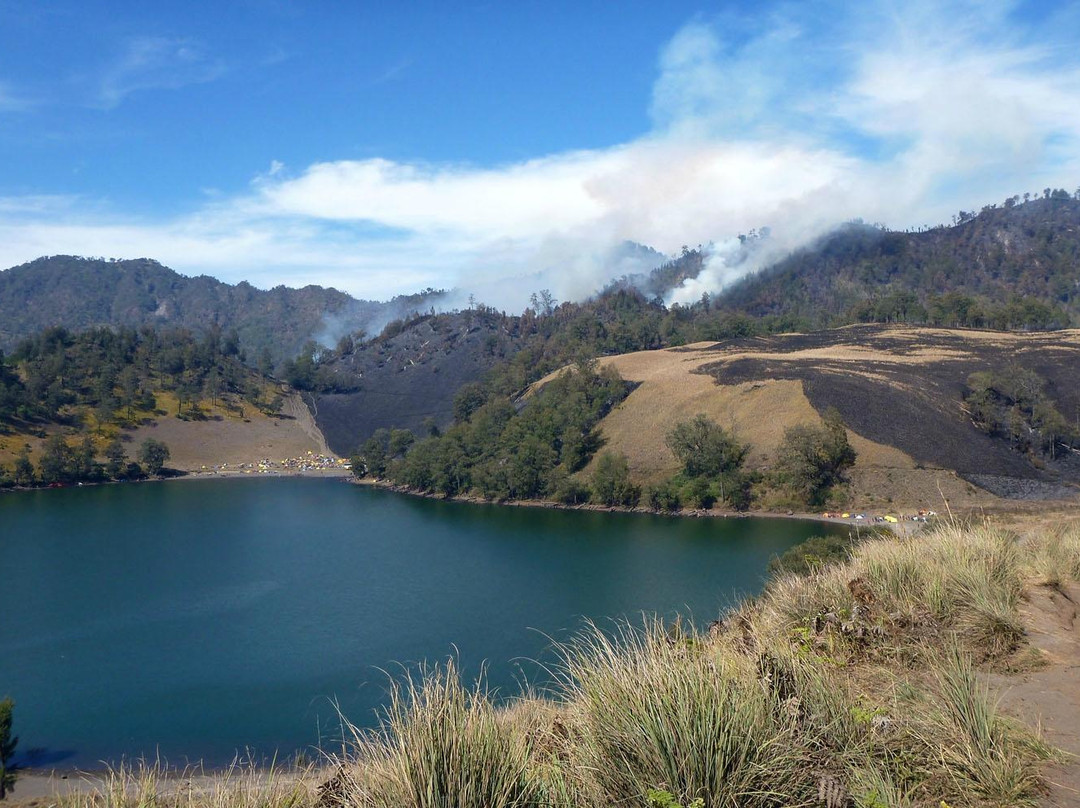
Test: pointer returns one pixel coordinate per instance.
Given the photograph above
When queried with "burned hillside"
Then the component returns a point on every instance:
(908, 387)
(408, 377)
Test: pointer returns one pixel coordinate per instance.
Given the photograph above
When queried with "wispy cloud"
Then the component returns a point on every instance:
(393, 71)
(155, 63)
(12, 100)
(797, 120)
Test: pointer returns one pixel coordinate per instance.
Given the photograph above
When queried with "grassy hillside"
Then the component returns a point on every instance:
(899, 390)
(78, 407)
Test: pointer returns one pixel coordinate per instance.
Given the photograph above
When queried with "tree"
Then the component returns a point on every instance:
(55, 463)
(24, 470)
(373, 456)
(705, 448)
(115, 457)
(399, 442)
(153, 454)
(611, 481)
(7, 748)
(812, 459)
(82, 460)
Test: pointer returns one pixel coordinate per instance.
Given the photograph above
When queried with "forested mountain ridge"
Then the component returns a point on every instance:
(1011, 266)
(80, 293)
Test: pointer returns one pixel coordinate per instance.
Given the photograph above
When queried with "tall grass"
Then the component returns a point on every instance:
(896, 593)
(661, 713)
(986, 754)
(443, 746)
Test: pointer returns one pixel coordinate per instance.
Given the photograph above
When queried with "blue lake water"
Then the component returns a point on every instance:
(195, 619)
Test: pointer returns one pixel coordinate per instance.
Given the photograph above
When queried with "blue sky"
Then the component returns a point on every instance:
(504, 147)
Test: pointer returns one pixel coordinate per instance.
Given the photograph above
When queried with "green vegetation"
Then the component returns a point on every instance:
(611, 481)
(1012, 404)
(152, 455)
(103, 377)
(8, 742)
(810, 555)
(501, 452)
(977, 273)
(79, 392)
(812, 459)
(63, 464)
(81, 293)
(712, 467)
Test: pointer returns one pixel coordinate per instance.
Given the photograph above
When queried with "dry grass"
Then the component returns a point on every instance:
(671, 389)
(154, 785)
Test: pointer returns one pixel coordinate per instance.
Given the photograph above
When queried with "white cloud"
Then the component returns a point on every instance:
(808, 119)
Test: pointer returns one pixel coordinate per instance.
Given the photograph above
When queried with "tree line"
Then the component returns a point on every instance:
(64, 463)
(112, 374)
(501, 453)
(501, 448)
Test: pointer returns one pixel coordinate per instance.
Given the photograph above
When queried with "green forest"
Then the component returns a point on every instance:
(82, 390)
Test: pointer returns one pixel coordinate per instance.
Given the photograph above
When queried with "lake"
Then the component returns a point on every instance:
(197, 618)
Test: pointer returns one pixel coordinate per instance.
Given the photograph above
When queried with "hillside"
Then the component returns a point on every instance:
(899, 390)
(81, 408)
(80, 293)
(407, 379)
(1010, 266)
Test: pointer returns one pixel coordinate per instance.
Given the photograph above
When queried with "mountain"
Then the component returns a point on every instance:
(1011, 266)
(80, 293)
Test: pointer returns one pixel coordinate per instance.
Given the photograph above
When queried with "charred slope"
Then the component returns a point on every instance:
(402, 380)
(81, 293)
(1028, 250)
(911, 393)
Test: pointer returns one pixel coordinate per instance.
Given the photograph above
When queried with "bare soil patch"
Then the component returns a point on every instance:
(1049, 698)
(200, 445)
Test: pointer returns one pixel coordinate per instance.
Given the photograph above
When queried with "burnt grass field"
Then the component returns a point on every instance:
(403, 380)
(904, 387)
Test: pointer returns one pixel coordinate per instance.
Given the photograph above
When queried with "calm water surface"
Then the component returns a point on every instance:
(198, 618)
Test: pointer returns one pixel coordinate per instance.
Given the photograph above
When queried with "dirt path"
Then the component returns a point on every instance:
(1050, 698)
(294, 407)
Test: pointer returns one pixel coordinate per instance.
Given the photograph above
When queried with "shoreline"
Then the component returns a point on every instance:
(903, 527)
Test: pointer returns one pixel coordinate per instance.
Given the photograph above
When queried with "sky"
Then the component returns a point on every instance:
(502, 148)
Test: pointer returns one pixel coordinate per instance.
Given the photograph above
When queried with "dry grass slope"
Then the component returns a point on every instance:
(898, 389)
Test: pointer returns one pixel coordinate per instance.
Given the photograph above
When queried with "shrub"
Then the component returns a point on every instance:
(611, 481)
(811, 555)
(441, 745)
(698, 493)
(663, 496)
(812, 459)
